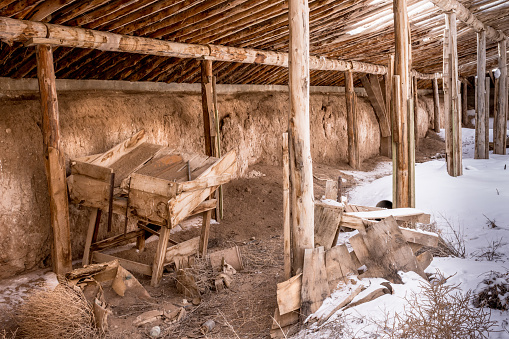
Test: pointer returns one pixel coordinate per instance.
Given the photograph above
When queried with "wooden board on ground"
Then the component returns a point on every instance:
(349, 292)
(349, 208)
(389, 250)
(407, 215)
(327, 219)
(418, 237)
(230, 255)
(315, 287)
(370, 296)
(127, 264)
(288, 294)
(184, 249)
(339, 265)
(281, 323)
(424, 260)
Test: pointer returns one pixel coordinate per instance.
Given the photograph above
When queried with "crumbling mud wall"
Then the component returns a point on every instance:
(93, 121)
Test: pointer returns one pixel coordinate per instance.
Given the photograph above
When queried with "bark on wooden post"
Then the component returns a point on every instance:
(403, 187)
(54, 160)
(452, 105)
(301, 171)
(480, 113)
(500, 140)
(436, 107)
(351, 121)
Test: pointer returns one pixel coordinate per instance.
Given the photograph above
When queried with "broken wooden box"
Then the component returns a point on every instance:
(153, 184)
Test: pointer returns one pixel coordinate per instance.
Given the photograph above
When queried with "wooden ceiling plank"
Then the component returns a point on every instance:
(46, 8)
(76, 9)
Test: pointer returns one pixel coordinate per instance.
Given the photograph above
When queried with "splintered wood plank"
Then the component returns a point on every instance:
(289, 294)
(88, 191)
(281, 323)
(160, 163)
(315, 287)
(127, 264)
(185, 203)
(130, 162)
(90, 170)
(111, 156)
(230, 255)
(339, 265)
(389, 250)
(403, 214)
(327, 219)
(184, 249)
(417, 237)
(424, 260)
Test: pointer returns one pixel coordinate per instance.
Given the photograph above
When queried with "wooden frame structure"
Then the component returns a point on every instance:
(154, 41)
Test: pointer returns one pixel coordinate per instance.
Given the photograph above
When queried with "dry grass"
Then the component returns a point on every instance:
(7, 335)
(440, 311)
(61, 313)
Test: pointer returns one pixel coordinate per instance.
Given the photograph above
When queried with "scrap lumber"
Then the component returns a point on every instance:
(424, 260)
(281, 323)
(315, 287)
(288, 294)
(341, 298)
(230, 256)
(128, 264)
(339, 265)
(388, 251)
(287, 230)
(327, 220)
(370, 294)
(331, 190)
(183, 249)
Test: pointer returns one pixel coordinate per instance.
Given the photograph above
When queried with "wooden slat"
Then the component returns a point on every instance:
(132, 161)
(115, 153)
(315, 287)
(289, 294)
(127, 264)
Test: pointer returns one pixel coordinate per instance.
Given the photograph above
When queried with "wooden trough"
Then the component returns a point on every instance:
(153, 184)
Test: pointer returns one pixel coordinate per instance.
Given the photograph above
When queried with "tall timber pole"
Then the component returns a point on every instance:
(301, 171)
(403, 107)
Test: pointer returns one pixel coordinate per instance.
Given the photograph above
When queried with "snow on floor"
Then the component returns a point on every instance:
(460, 205)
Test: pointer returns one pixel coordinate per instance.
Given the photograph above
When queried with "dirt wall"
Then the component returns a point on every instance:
(92, 122)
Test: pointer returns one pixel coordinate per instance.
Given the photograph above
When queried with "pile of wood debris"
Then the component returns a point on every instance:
(381, 247)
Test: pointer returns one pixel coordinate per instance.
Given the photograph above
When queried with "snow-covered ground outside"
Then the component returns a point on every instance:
(464, 204)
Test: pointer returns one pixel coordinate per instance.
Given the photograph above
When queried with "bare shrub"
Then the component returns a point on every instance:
(491, 223)
(451, 244)
(7, 335)
(61, 313)
(490, 252)
(493, 291)
(440, 311)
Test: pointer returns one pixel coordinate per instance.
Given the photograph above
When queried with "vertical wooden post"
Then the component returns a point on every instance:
(301, 171)
(209, 131)
(487, 89)
(436, 107)
(480, 113)
(452, 112)
(207, 101)
(416, 109)
(54, 161)
(464, 108)
(158, 264)
(387, 142)
(500, 140)
(287, 232)
(402, 66)
(351, 122)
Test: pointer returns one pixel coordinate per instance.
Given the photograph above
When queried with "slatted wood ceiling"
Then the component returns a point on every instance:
(347, 29)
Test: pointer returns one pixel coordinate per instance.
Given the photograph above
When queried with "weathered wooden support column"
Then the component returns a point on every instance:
(208, 106)
(61, 255)
(436, 107)
(209, 132)
(416, 111)
(351, 121)
(480, 112)
(452, 105)
(464, 108)
(500, 140)
(402, 106)
(487, 88)
(388, 98)
(301, 171)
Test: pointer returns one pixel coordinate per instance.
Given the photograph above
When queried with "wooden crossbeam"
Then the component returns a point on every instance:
(58, 35)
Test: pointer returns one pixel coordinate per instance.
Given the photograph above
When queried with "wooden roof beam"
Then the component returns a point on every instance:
(465, 16)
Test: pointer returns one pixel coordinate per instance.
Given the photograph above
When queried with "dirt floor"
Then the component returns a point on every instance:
(252, 221)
